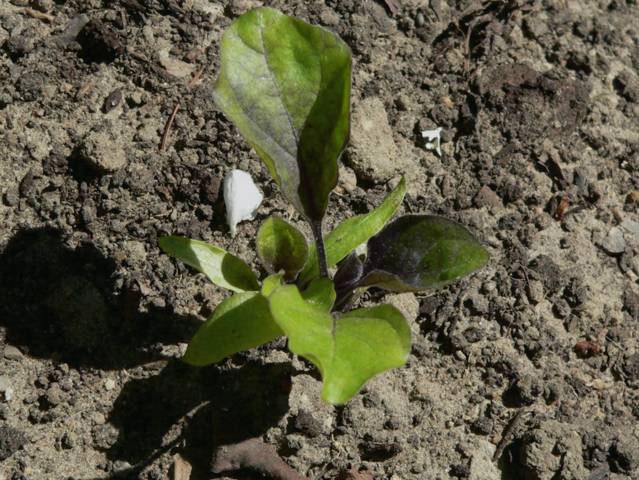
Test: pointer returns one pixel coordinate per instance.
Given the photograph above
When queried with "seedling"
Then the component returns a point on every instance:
(286, 84)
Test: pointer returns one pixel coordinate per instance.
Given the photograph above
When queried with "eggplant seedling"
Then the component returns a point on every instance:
(286, 85)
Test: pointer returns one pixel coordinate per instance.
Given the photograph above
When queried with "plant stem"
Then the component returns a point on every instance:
(316, 226)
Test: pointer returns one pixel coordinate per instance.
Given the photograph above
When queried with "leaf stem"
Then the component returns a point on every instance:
(316, 226)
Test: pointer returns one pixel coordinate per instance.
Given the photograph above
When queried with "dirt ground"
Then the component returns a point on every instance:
(527, 370)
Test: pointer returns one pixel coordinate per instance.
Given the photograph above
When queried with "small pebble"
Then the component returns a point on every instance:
(614, 242)
(109, 384)
(6, 390)
(487, 198)
(11, 197)
(630, 226)
(12, 353)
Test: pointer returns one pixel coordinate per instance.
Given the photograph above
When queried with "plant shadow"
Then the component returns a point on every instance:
(60, 303)
(192, 411)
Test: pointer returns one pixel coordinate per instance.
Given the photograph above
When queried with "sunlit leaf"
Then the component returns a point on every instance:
(320, 293)
(286, 85)
(222, 268)
(239, 323)
(271, 283)
(281, 246)
(347, 350)
(418, 252)
(351, 233)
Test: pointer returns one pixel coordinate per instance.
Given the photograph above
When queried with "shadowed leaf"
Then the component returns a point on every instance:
(222, 268)
(320, 293)
(418, 252)
(239, 323)
(281, 246)
(286, 84)
(351, 233)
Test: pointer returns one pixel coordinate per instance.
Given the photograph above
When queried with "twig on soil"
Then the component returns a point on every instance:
(39, 15)
(255, 455)
(168, 126)
(392, 6)
(509, 433)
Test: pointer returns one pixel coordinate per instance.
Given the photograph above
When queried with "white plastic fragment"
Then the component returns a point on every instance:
(242, 198)
(433, 139)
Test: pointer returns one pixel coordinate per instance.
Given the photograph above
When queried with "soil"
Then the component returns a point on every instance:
(528, 369)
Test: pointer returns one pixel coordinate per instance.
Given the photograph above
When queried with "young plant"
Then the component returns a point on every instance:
(286, 84)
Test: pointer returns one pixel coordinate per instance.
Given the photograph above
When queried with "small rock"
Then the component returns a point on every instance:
(112, 100)
(473, 334)
(631, 303)
(482, 426)
(524, 391)
(482, 466)
(538, 452)
(487, 198)
(631, 226)
(374, 156)
(55, 395)
(631, 368)
(460, 470)
(68, 440)
(627, 84)
(12, 353)
(181, 468)
(103, 152)
(11, 197)
(175, 67)
(633, 198)
(347, 179)
(98, 418)
(109, 384)
(372, 451)
(72, 30)
(624, 454)
(614, 242)
(6, 390)
(11, 440)
(42, 5)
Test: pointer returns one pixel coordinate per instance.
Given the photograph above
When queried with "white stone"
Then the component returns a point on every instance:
(6, 390)
(242, 198)
(614, 242)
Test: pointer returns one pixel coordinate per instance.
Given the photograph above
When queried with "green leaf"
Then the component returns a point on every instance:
(286, 85)
(321, 293)
(348, 350)
(271, 283)
(351, 233)
(222, 268)
(281, 246)
(240, 322)
(417, 252)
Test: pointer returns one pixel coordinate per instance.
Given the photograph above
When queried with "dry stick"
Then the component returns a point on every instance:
(256, 455)
(167, 127)
(39, 15)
